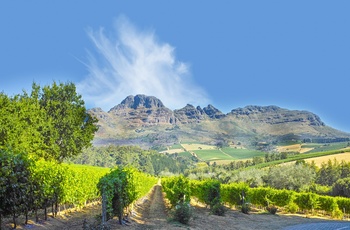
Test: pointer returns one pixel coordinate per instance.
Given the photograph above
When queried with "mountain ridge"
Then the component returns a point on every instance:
(146, 120)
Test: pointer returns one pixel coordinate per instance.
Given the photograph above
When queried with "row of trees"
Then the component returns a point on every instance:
(147, 161)
(211, 192)
(27, 185)
(329, 179)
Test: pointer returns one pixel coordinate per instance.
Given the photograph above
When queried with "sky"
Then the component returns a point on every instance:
(292, 54)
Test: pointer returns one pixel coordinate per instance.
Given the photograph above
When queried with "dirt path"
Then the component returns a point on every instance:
(153, 213)
(150, 212)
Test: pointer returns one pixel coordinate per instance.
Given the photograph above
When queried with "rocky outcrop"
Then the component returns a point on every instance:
(213, 112)
(276, 115)
(189, 114)
(143, 110)
(139, 101)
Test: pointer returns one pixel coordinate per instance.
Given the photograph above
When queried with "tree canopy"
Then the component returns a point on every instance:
(51, 122)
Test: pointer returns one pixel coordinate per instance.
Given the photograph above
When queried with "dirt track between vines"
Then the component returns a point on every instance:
(150, 212)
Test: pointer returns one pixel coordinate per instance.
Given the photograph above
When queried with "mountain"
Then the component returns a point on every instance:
(146, 121)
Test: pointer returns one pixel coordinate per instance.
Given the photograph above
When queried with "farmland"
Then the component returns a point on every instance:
(324, 159)
(211, 153)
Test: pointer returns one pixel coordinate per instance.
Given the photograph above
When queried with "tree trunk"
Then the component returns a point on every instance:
(26, 222)
(56, 208)
(104, 208)
(45, 212)
(14, 221)
(36, 215)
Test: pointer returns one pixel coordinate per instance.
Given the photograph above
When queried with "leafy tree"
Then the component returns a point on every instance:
(21, 125)
(341, 187)
(72, 127)
(50, 123)
(329, 173)
(292, 177)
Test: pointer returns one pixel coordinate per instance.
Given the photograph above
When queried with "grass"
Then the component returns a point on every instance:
(192, 147)
(212, 155)
(240, 154)
(299, 157)
(176, 146)
(324, 159)
(185, 154)
(327, 147)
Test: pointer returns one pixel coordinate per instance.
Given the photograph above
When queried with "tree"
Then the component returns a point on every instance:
(341, 187)
(49, 123)
(292, 177)
(72, 127)
(22, 124)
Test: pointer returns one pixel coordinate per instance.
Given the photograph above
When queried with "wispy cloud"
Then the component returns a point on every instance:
(135, 62)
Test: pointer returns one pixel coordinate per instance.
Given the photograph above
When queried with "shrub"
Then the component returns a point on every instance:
(183, 212)
(245, 208)
(292, 207)
(272, 209)
(218, 209)
(336, 212)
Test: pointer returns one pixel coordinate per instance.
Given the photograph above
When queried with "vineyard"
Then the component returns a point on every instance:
(27, 186)
(213, 194)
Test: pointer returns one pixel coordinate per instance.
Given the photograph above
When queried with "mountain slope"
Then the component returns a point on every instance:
(145, 121)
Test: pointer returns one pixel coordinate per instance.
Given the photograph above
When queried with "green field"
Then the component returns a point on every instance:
(176, 146)
(325, 147)
(212, 155)
(185, 154)
(240, 154)
(227, 154)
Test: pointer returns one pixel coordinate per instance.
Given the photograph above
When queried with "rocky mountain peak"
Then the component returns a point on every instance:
(213, 112)
(141, 101)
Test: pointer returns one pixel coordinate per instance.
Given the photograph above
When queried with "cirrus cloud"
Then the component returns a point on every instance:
(135, 62)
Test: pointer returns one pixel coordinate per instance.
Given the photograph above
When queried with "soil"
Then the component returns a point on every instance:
(152, 212)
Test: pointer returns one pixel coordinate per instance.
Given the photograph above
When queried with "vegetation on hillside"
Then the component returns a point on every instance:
(148, 161)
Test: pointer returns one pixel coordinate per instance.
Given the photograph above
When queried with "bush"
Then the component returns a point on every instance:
(272, 209)
(218, 209)
(292, 207)
(183, 212)
(177, 189)
(245, 208)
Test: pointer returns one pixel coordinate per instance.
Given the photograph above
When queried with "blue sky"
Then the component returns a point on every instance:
(293, 54)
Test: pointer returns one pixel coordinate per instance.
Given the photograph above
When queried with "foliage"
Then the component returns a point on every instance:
(272, 209)
(147, 161)
(245, 208)
(307, 201)
(292, 177)
(341, 187)
(292, 207)
(234, 193)
(121, 187)
(50, 123)
(208, 192)
(72, 127)
(332, 171)
(27, 185)
(14, 184)
(183, 212)
(177, 189)
(178, 192)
